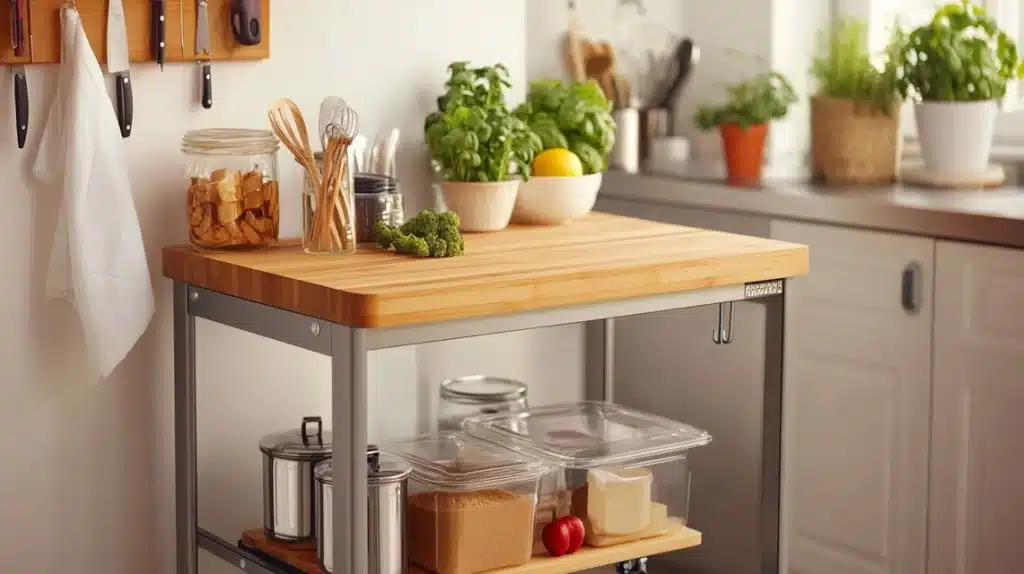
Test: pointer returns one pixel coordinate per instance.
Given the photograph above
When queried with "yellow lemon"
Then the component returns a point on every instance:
(557, 162)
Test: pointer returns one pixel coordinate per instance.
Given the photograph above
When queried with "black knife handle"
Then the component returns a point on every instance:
(206, 85)
(158, 31)
(21, 107)
(125, 105)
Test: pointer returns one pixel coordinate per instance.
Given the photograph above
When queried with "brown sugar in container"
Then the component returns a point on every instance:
(471, 503)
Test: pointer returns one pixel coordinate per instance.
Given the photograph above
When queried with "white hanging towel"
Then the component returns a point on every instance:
(97, 261)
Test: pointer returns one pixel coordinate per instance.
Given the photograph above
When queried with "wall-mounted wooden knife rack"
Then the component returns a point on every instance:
(44, 31)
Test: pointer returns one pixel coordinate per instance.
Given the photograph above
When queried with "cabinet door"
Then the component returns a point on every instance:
(666, 363)
(977, 473)
(857, 377)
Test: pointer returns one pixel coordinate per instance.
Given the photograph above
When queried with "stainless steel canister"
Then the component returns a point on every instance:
(289, 458)
(386, 490)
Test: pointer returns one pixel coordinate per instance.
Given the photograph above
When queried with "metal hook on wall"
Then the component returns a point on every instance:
(723, 335)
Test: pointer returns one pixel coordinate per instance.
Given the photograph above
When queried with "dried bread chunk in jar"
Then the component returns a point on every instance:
(233, 197)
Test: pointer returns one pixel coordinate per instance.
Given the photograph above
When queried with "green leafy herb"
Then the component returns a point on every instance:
(428, 234)
(961, 56)
(760, 99)
(844, 68)
(575, 116)
(473, 136)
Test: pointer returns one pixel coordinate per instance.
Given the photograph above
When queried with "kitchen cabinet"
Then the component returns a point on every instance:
(856, 403)
(977, 472)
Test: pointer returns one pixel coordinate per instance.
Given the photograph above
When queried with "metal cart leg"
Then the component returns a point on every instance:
(771, 441)
(599, 372)
(185, 471)
(349, 404)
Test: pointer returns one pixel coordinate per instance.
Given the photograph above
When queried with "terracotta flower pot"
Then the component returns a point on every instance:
(744, 152)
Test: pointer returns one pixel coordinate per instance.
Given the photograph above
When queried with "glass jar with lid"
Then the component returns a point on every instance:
(466, 397)
(233, 195)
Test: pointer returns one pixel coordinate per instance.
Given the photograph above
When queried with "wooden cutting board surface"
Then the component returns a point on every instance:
(599, 258)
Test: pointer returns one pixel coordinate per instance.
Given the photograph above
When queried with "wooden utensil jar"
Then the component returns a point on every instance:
(232, 196)
(333, 230)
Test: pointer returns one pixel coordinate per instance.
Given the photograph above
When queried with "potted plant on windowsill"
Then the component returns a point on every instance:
(855, 114)
(480, 150)
(959, 66)
(743, 121)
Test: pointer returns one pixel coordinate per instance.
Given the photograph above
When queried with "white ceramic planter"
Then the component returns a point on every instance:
(956, 137)
(481, 206)
(554, 200)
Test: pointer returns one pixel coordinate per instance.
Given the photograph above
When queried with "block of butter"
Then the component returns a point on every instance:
(618, 500)
(659, 525)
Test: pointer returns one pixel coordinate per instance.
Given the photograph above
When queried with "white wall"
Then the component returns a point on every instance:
(88, 469)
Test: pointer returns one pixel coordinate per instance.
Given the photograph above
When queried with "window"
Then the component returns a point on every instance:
(880, 14)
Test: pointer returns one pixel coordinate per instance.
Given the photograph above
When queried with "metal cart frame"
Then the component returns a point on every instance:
(349, 348)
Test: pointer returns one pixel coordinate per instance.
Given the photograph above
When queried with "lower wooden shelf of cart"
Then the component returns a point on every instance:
(303, 558)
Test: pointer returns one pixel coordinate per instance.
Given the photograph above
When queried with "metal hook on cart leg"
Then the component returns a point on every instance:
(723, 335)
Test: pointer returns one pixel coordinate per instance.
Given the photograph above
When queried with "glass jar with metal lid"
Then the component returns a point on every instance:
(233, 195)
(465, 397)
(289, 458)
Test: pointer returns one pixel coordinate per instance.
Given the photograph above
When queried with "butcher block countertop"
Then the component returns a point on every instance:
(597, 259)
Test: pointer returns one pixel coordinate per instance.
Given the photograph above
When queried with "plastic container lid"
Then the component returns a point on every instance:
(454, 461)
(589, 435)
(308, 442)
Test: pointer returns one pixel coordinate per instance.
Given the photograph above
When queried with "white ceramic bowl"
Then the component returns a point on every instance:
(481, 206)
(555, 200)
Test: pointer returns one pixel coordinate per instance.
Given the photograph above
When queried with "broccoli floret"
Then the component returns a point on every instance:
(438, 246)
(451, 219)
(428, 234)
(453, 238)
(384, 235)
(423, 224)
(456, 246)
(412, 245)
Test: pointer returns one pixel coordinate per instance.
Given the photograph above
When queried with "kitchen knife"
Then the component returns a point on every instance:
(21, 104)
(158, 28)
(20, 81)
(203, 51)
(117, 64)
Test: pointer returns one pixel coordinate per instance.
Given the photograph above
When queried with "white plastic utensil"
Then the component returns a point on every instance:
(390, 152)
(359, 153)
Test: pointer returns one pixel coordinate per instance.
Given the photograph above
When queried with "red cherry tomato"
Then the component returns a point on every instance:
(557, 538)
(576, 532)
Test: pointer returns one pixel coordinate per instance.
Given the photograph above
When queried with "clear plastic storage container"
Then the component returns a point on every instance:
(622, 472)
(471, 503)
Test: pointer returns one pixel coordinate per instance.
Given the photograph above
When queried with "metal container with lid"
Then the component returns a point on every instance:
(386, 489)
(289, 458)
(465, 397)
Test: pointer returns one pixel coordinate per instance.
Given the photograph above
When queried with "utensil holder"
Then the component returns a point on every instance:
(333, 231)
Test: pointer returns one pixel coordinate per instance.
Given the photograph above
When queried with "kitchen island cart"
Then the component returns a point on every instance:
(590, 271)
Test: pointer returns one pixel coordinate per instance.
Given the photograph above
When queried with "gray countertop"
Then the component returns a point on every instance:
(994, 217)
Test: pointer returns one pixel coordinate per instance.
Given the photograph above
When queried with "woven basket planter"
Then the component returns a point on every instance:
(853, 143)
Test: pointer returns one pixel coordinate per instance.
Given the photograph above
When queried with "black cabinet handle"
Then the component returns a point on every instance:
(911, 289)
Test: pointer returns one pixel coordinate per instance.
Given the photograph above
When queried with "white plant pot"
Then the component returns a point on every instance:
(482, 206)
(956, 137)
